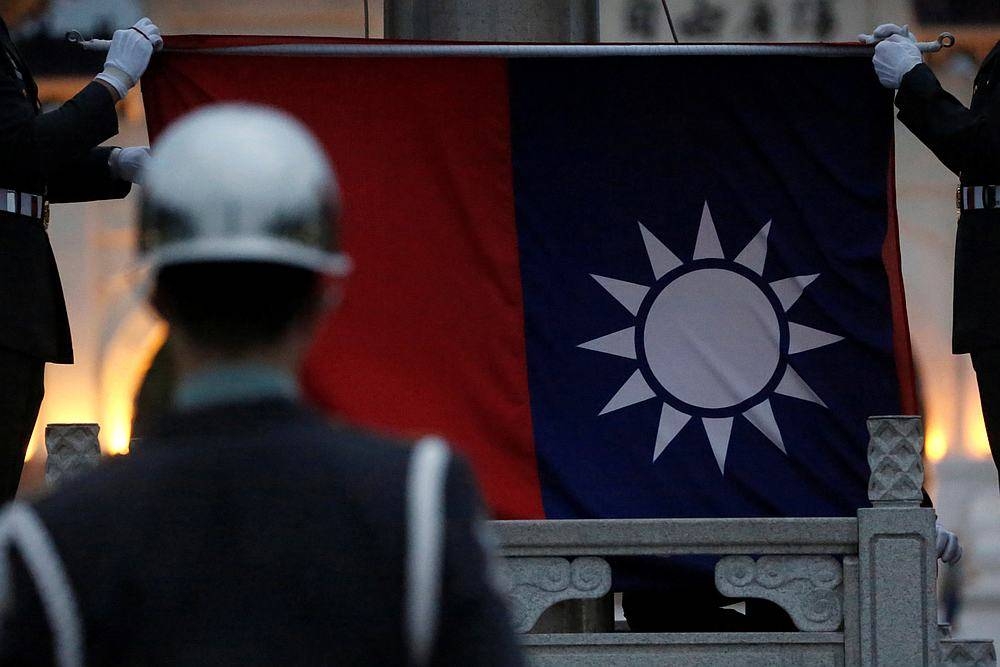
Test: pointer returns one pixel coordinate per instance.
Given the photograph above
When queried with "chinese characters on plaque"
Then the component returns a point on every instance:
(730, 21)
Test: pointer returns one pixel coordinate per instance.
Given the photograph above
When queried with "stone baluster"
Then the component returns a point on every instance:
(72, 449)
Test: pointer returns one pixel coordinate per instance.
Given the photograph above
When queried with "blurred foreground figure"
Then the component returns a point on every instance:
(250, 530)
(967, 141)
(50, 157)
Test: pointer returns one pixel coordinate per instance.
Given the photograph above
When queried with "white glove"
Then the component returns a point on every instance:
(885, 30)
(948, 548)
(127, 163)
(129, 55)
(894, 57)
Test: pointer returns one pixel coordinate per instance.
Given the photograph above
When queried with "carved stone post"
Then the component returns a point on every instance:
(72, 448)
(896, 551)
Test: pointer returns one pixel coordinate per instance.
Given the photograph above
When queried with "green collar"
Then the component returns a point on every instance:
(234, 383)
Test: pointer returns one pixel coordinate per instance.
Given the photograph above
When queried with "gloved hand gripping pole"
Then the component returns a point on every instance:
(74, 37)
(945, 40)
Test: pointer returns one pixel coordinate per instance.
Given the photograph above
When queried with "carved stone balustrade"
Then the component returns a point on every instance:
(809, 588)
(861, 590)
(538, 583)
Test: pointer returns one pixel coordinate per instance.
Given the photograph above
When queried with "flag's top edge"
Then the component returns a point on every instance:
(536, 50)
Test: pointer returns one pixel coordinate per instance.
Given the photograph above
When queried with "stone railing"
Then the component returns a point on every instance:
(861, 591)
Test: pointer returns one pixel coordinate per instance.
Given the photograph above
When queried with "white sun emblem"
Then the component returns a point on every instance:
(712, 339)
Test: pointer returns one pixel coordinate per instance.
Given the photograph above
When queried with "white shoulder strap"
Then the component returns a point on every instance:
(425, 515)
(21, 528)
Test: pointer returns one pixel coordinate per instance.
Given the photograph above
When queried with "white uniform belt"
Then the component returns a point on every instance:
(22, 203)
(977, 197)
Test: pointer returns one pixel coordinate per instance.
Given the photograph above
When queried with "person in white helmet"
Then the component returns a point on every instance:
(50, 157)
(251, 530)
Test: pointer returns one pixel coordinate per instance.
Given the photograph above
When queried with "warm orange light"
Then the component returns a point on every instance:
(977, 444)
(111, 406)
(36, 438)
(120, 434)
(124, 374)
(935, 444)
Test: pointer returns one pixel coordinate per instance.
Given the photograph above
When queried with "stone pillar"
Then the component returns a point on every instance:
(897, 555)
(72, 449)
(558, 21)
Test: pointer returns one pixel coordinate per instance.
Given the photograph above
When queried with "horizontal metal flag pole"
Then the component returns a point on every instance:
(378, 50)
(103, 45)
(945, 40)
(74, 37)
(375, 50)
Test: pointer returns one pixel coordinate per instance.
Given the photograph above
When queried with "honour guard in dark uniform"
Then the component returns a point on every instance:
(50, 157)
(251, 530)
(967, 141)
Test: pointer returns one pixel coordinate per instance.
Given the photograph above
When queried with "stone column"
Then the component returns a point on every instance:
(897, 555)
(558, 21)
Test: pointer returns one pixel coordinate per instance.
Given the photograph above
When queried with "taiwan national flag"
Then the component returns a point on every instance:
(623, 285)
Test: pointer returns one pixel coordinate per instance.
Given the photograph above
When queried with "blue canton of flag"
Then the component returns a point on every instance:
(707, 314)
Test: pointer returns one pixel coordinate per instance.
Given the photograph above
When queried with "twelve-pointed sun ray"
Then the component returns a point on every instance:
(729, 376)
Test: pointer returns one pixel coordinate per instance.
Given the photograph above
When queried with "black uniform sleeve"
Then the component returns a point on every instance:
(475, 627)
(86, 179)
(961, 139)
(59, 147)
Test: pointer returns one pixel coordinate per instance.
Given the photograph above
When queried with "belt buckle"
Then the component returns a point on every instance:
(958, 200)
(45, 215)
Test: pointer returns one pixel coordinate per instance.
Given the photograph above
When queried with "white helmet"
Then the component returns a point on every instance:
(240, 183)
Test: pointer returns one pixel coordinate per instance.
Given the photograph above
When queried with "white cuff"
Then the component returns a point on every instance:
(118, 79)
(113, 162)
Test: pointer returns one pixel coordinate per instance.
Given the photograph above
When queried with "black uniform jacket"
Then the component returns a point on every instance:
(967, 141)
(257, 535)
(52, 154)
